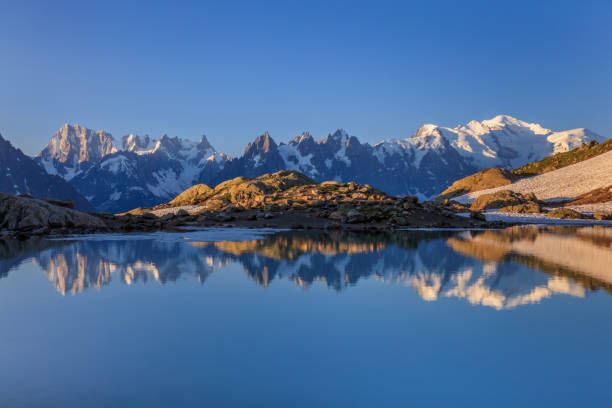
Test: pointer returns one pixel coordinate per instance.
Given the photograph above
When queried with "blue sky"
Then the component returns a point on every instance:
(232, 70)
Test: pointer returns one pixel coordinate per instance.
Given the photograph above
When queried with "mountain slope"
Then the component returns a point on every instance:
(562, 184)
(497, 177)
(482, 180)
(563, 159)
(21, 175)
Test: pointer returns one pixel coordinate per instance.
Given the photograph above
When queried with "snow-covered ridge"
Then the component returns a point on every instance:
(503, 141)
(75, 144)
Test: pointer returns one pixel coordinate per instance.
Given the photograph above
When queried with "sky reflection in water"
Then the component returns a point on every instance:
(420, 319)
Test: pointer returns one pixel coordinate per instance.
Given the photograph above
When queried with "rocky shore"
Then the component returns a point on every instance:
(286, 199)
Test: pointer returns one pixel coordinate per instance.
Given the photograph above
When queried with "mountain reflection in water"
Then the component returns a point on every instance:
(501, 269)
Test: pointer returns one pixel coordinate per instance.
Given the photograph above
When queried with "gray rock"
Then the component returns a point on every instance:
(27, 214)
(60, 203)
(354, 216)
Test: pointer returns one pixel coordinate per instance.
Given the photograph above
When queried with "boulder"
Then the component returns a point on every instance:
(336, 215)
(501, 199)
(599, 195)
(602, 216)
(354, 217)
(566, 213)
(529, 208)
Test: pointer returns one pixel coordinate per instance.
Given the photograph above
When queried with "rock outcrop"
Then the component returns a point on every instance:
(598, 195)
(291, 199)
(501, 199)
(31, 216)
(566, 214)
(483, 180)
(197, 193)
(528, 208)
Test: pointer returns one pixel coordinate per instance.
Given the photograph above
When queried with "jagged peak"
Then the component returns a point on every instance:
(204, 144)
(262, 143)
(75, 144)
(67, 127)
(339, 133)
(132, 142)
(301, 138)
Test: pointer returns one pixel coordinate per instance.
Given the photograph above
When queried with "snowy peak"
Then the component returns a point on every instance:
(173, 147)
(426, 130)
(135, 143)
(502, 141)
(571, 139)
(338, 135)
(502, 121)
(305, 137)
(22, 175)
(73, 144)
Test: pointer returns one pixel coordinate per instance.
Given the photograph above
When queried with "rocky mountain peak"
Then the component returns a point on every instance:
(73, 144)
(262, 144)
(338, 134)
(133, 142)
(5, 146)
(205, 145)
(304, 137)
(22, 175)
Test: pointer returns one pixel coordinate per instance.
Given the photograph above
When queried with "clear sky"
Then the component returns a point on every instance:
(232, 70)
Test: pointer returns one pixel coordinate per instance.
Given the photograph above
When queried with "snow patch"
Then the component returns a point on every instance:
(564, 183)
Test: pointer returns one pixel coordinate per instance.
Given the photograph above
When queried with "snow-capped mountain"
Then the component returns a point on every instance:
(260, 157)
(501, 142)
(148, 172)
(22, 175)
(423, 164)
(140, 171)
(73, 149)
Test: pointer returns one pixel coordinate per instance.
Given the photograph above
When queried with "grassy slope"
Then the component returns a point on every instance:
(491, 178)
(561, 160)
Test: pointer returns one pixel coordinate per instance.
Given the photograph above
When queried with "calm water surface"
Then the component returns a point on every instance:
(519, 317)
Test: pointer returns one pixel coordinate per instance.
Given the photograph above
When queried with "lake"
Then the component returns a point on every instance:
(224, 318)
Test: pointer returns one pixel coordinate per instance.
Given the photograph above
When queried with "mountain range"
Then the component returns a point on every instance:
(139, 171)
(22, 175)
